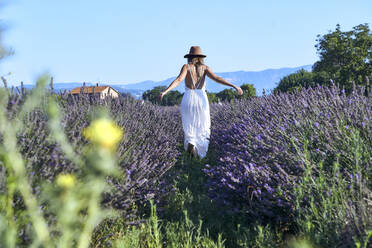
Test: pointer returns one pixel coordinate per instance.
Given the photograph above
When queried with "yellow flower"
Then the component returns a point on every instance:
(66, 180)
(103, 132)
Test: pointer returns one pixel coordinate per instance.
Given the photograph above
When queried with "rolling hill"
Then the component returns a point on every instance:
(266, 79)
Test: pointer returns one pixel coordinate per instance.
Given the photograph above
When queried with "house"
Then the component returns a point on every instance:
(101, 91)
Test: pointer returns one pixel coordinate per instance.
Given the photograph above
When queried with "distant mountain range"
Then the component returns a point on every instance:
(266, 79)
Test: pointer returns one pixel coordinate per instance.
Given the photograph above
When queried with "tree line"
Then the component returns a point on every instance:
(174, 97)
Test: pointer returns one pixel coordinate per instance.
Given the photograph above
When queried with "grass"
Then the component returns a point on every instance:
(327, 208)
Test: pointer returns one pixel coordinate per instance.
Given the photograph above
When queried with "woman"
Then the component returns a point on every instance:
(195, 106)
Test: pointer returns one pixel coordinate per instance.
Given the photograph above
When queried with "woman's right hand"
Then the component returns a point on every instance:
(160, 97)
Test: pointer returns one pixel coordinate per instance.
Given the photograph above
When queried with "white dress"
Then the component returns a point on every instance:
(195, 115)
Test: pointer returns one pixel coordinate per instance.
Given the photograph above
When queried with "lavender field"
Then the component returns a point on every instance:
(284, 170)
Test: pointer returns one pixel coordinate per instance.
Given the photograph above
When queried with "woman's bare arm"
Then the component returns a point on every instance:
(178, 80)
(220, 80)
(175, 82)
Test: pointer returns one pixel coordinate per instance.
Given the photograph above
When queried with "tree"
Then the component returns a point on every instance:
(170, 99)
(346, 56)
(302, 79)
(248, 91)
(212, 97)
(228, 94)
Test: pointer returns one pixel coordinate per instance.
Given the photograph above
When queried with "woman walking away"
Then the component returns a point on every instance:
(195, 113)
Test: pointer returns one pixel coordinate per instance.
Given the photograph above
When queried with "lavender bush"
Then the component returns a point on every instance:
(259, 144)
(65, 212)
(148, 150)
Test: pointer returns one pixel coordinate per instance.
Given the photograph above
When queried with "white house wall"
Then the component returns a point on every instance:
(105, 92)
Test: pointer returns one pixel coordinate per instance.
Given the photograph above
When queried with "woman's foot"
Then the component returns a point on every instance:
(191, 149)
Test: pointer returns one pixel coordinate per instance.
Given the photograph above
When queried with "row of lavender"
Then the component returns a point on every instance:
(257, 164)
(260, 147)
(148, 150)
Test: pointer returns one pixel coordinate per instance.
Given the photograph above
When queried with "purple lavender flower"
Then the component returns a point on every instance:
(357, 176)
(243, 156)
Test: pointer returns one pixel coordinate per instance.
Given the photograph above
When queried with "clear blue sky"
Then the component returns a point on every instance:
(119, 41)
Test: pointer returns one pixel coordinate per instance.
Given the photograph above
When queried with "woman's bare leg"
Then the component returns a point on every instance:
(190, 147)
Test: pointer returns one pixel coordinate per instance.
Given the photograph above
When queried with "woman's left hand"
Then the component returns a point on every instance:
(239, 90)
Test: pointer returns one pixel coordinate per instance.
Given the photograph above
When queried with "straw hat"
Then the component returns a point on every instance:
(195, 51)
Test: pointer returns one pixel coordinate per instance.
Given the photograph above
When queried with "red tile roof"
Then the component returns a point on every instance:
(89, 89)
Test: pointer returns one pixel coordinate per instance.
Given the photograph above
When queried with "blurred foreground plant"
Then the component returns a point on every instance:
(64, 214)
(332, 209)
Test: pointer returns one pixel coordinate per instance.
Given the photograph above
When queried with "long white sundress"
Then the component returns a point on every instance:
(196, 121)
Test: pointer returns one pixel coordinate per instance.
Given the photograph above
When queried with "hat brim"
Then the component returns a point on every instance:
(194, 55)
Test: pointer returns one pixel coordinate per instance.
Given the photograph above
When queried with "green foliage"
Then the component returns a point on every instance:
(64, 212)
(170, 99)
(248, 91)
(175, 97)
(302, 79)
(229, 94)
(226, 95)
(191, 196)
(260, 237)
(153, 233)
(346, 56)
(212, 97)
(328, 204)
